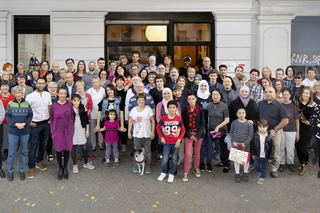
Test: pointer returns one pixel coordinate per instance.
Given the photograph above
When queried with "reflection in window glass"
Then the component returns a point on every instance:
(145, 51)
(32, 49)
(191, 32)
(197, 54)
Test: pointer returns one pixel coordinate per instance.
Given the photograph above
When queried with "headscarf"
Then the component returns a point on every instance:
(198, 76)
(164, 101)
(203, 95)
(246, 100)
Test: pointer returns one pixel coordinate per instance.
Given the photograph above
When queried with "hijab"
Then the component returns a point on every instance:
(204, 95)
(246, 100)
(164, 101)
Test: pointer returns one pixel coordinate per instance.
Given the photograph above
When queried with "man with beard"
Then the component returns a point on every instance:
(135, 60)
(172, 81)
(40, 102)
(86, 78)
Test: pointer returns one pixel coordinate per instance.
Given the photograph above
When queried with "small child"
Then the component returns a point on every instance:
(171, 131)
(262, 156)
(242, 80)
(81, 132)
(111, 125)
(241, 134)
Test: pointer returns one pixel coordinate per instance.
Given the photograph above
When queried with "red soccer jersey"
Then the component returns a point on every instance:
(170, 126)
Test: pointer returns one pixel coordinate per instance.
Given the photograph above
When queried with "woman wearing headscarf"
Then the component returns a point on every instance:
(162, 110)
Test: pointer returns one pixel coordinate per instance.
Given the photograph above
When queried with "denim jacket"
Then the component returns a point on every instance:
(116, 106)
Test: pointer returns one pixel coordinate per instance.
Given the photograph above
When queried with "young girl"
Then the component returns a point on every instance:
(242, 132)
(111, 124)
(81, 132)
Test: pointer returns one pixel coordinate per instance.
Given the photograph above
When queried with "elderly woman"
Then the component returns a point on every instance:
(62, 130)
(52, 87)
(191, 74)
(86, 100)
(121, 71)
(81, 70)
(63, 79)
(218, 113)
(103, 75)
(296, 90)
(97, 94)
(111, 74)
(195, 85)
(194, 124)
(21, 70)
(278, 87)
(8, 67)
(6, 75)
(151, 83)
(18, 115)
(123, 60)
(35, 73)
(5, 97)
(266, 72)
(141, 118)
(152, 64)
(305, 106)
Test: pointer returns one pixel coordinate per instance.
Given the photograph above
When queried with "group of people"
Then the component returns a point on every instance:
(183, 113)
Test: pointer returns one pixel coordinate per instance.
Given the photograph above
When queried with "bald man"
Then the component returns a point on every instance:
(204, 72)
(70, 85)
(277, 117)
(55, 69)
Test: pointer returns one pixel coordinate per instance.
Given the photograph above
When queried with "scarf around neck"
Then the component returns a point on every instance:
(164, 101)
(246, 100)
(192, 116)
(204, 95)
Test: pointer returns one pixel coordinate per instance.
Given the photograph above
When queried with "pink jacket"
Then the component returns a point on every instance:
(89, 105)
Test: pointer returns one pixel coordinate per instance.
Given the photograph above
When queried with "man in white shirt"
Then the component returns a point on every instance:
(40, 102)
(70, 85)
(22, 82)
(310, 80)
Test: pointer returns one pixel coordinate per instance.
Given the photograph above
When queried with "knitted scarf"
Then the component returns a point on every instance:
(192, 116)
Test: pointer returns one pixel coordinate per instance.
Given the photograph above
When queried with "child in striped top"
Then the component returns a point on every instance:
(241, 134)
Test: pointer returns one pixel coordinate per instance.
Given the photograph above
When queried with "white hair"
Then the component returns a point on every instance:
(152, 57)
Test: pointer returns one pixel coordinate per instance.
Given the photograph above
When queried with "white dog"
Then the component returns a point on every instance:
(140, 159)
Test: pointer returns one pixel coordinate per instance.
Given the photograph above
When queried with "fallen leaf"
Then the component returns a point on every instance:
(33, 205)
(81, 200)
(28, 204)
(138, 191)
(62, 187)
(76, 189)
(54, 199)
(16, 201)
(183, 210)
(111, 198)
(246, 201)
(51, 192)
(58, 204)
(171, 207)
(95, 200)
(154, 206)
(19, 198)
(175, 193)
(190, 200)
(87, 195)
(191, 206)
(132, 211)
(25, 199)
(313, 210)
(15, 210)
(242, 195)
(93, 197)
(274, 199)
(156, 202)
(156, 211)
(185, 197)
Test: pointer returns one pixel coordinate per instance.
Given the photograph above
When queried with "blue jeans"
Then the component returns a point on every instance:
(88, 144)
(208, 146)
(40, 134)
(13, 143)
(167, 149)
(263, 168)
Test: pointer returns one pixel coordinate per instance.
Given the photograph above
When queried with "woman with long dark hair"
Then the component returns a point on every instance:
(81, 70)
(121, 71)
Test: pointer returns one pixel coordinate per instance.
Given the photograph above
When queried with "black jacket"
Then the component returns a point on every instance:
(169, 83)
(83, 118)
(268, 147)
(200, 123)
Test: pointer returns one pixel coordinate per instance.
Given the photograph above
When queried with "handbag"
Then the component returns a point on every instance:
(215, 135)
(239, 156)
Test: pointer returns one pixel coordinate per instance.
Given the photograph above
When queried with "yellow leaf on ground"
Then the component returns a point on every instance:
(51, 192)
(185, 197)
(87, 195)
(95, 200)
(154, 206)
(175, 193)
(16, 201)
(171, 207)
(33, 205)
(58, 204)
(54, 199)
(111, 198)
(183, 210)
(19, 198)
(94, 195)
(25, 199)
(190, 200)
(76, 189)
(28, 204)
(81, 200)
(156, 202)
(313, 210)
(242, 195)
(246, 201)
(138, 191)
(62, 187)
(191, 206)
(156, 211)
(274, 199)
(132, 211)
(15, 210)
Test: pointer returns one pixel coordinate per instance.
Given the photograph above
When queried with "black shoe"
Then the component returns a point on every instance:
(281, 168)
(22, 176)
(319, 174)
(245, 177)
(60, 173)
(292, 168)
(237, 178)
(5, 155)
(103, 160)
(274, 174)
(226, 169)
(201, 167)
(10, 176)
(2, 174)
(131, 154)
(65, 173)
(209, 167)
(219, 165)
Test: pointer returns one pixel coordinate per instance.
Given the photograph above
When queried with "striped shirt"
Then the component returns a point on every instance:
(149, 102)
(241, 132)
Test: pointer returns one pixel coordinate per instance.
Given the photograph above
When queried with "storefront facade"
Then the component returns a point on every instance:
(246, 32)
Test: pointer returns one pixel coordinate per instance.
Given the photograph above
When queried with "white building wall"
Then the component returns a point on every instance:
(3, 38)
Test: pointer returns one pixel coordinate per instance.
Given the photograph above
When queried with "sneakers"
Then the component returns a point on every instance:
(170, 178)
(292, 168)
(251, 167)
(115, 164)
(41, 166)
(159, 157)
(245, 177)
(50, 158)
(107, 164)
(162, 176)
(201, 167)
(75, 169)
(148, 170)
(260, 181)
(209, 167)
(89, 165)
(217, 156)
(197, 173)
(237, 178)
(135, 169)
(103, 160)
(186, 177)
(281, 168)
